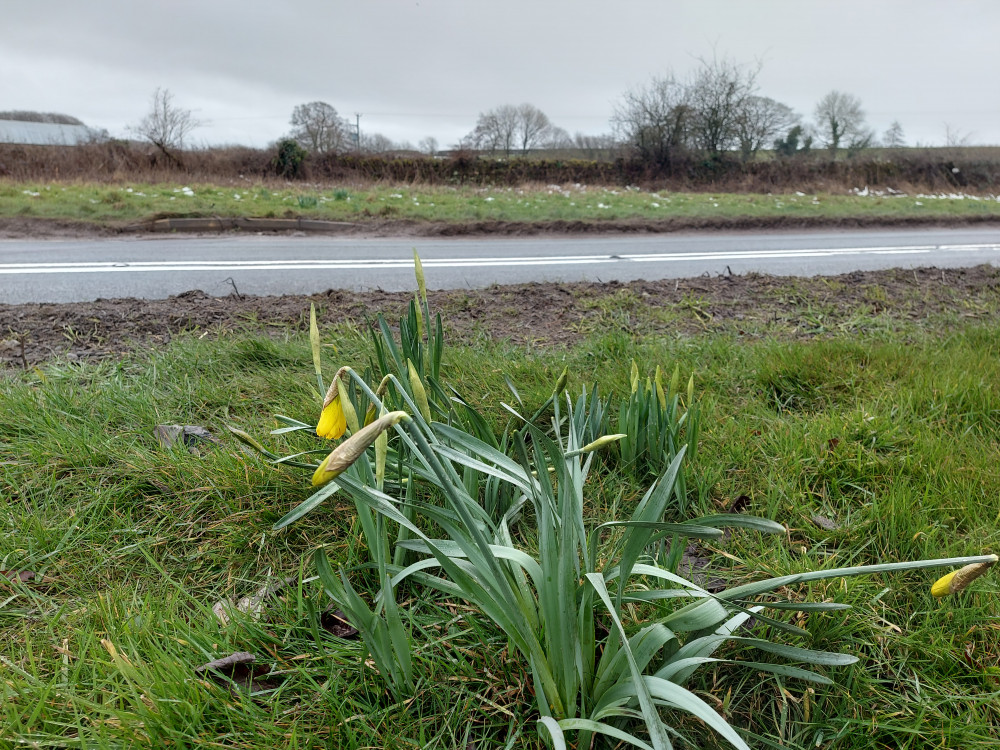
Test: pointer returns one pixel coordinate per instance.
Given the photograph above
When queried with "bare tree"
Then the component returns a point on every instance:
(428, 145)
(496, 130)
(317, 127)
(557, 138)
(655, 121)
(167, 125)
(533, 127)
(893, 137)
(718, 94)
(955, 138)
(510, 128)
(841, 121)
(376, 143)
(759, 121)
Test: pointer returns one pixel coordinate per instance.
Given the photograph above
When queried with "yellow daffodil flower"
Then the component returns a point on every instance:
(959, 580)
(351, 449)
(332, 420)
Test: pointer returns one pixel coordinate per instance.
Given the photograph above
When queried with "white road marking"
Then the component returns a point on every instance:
(407, 263)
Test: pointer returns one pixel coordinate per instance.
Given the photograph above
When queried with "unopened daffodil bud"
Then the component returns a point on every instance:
(661, 397)
(314, 340)
(599, 443)
(635, 377)
(419, 394)
(351, 449)
(420, 315)
(418, 271)
(372, 409)
(561, 382)
(959, 580)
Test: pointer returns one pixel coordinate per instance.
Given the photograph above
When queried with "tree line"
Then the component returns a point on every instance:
(715, 112)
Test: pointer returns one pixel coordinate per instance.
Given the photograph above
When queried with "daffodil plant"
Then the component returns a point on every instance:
(555, 601)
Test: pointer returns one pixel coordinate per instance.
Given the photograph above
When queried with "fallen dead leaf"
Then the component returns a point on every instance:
(251, 605)
(824, 523)
(21, 575)
(188, 435)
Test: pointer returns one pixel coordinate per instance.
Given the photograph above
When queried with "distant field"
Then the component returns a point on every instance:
(125, 204)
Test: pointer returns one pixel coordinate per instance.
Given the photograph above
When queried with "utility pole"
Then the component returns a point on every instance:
(357, 131)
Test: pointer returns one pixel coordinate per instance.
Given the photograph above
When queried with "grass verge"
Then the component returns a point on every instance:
(118, 205)
(871, 448)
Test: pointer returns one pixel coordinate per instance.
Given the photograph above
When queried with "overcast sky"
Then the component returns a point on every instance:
(428, 68)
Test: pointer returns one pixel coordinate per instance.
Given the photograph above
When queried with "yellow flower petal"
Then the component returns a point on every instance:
(332, 421)
(942, 586)
(350, 450)
(959, 580)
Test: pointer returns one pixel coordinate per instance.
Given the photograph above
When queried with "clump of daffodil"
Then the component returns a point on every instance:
(351, 449)
(959, 580)
(332, 420)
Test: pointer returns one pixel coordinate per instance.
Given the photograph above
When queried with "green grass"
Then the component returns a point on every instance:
(133, 202)
(893, 435)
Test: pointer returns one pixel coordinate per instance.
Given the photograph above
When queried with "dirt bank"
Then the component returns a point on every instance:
(37, 228)
(536, 314)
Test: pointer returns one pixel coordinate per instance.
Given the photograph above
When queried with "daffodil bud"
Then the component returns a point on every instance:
(372, 409)
(350, 413)
(561, 382)
(419, 394)
(661, 397)
(601, 442)
(690, 391)
(959, 580)
(351, 449)
(314, 341)
(675, 380)
(635, 377)
(420, 315)
(418, 271)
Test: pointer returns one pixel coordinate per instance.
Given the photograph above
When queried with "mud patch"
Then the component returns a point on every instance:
(24, 227)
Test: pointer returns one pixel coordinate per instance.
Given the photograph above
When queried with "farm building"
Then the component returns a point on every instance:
(27, 133)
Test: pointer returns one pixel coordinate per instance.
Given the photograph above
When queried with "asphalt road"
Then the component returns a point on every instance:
(155, 268)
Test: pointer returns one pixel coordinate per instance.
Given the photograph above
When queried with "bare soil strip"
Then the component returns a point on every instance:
(528, 314)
